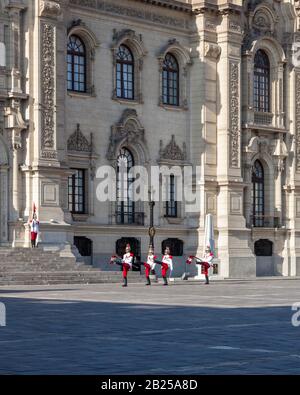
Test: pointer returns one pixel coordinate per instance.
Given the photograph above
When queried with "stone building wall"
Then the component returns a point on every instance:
(214, 127)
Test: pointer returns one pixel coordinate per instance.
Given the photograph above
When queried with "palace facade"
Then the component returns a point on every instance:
(212, 84)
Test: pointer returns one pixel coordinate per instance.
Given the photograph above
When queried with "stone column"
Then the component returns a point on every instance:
(16, 186)
(236, 257)
(4, 203)
(15, 8)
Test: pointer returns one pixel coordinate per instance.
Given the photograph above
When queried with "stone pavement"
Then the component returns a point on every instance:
(229, 327)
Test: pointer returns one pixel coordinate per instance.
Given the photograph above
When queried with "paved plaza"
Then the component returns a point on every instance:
(228, 327)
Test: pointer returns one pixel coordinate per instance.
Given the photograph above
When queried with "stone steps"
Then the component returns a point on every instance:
(23, 266)
(81, 277)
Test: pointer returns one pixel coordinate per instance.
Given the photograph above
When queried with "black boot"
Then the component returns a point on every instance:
(165, 281)
(148, 281)
(124, 282)
(207, 280)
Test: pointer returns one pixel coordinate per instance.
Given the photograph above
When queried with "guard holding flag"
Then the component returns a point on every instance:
(205, 262)
(34, 228)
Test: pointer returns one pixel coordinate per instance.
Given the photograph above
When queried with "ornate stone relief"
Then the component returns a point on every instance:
(172, 151)
(50, 9)
(142, 14)
(262, 24)
(47, 85)
(78, 142)
(234, 116)
(297, 131)
(258, 144)
(127, 131)
(212, 50)
(127, 34)
(235, 27)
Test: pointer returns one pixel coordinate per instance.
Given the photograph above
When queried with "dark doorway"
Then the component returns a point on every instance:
(175, 245)
(84, 245)
(263, 247)
(135, 248)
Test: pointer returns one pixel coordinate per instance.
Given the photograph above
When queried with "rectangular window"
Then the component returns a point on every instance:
(76, 192)
(171, 204)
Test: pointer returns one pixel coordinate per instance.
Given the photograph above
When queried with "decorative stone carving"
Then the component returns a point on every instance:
(258, 144)
(234, 105)
(127, 131)
(142, 14)
(297, 132)
(172, 151)
(15, 123)
(49, 154)
(126, 34)
(212, 50)
(78, 142)
(47, 85)
(235, 27)
(50, 9)
(262, 22)
(210, 25)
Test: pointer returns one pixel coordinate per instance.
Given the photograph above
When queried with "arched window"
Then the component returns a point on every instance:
(258, 191)
(125, 73)
(76, 60)
(170, 81)
(125, 203)
(261, 82)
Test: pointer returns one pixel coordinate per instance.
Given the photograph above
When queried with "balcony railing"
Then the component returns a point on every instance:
(265, 221)
(263, 118)
(124, 218)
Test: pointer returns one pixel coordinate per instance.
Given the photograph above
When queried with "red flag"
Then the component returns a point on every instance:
(190, 260)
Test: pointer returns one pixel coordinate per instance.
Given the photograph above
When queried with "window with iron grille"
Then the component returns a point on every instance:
(258, 194)
(171, 204)
(125, 204)
(125, 73)
(261, 82)
(77, 192)
(76, 63)
(170, 81)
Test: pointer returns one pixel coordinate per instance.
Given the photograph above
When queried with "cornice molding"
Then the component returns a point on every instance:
(153, 14)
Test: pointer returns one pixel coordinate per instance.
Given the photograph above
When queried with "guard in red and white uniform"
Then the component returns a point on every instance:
(149, 265)
(126, 263)
(34, 230)
(166, 264)
(205, 262)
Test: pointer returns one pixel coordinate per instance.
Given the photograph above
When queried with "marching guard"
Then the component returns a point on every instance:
(166, 264)
(126, 263)
(149, 265)
(205, 262)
